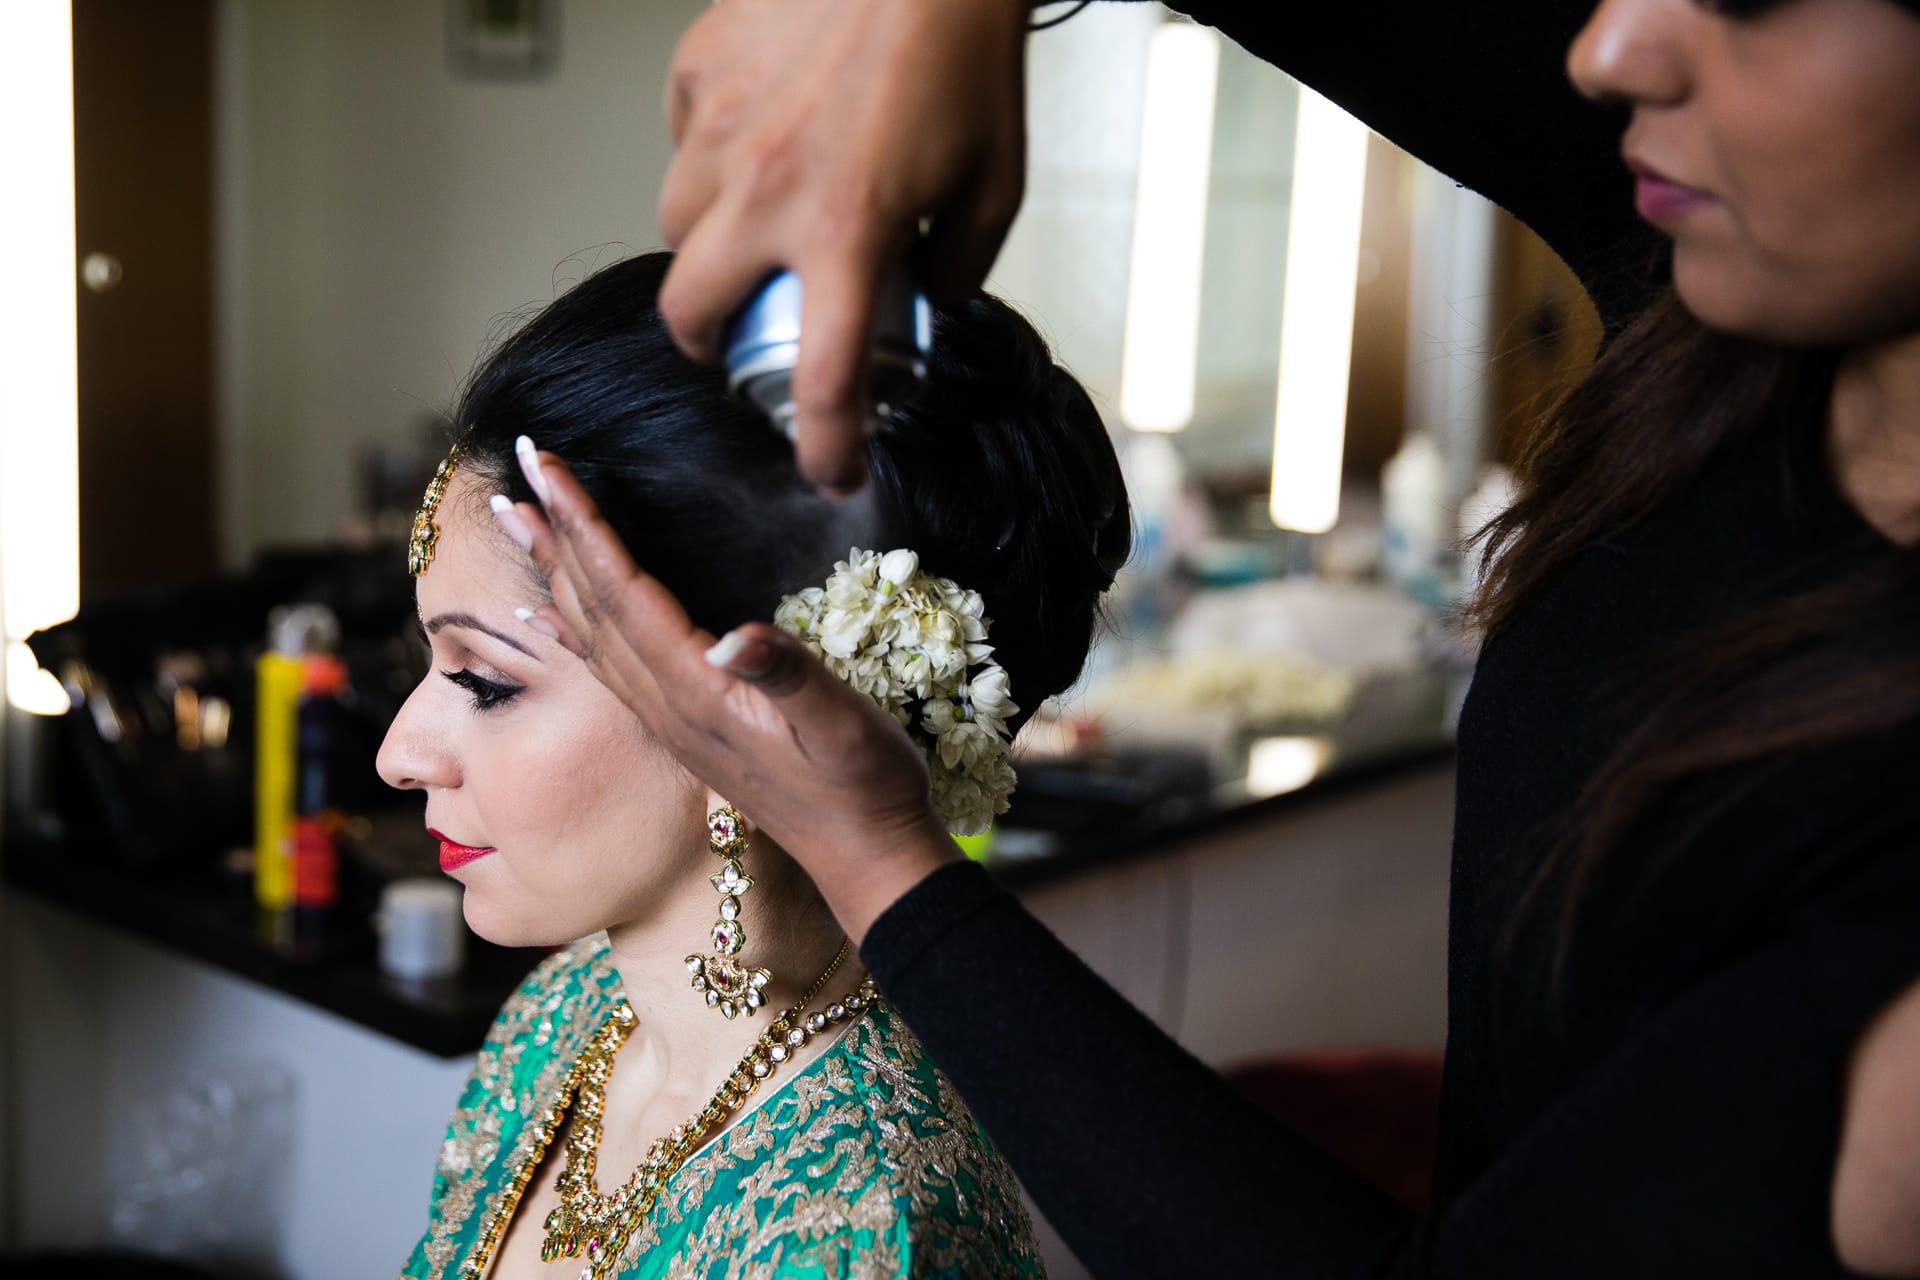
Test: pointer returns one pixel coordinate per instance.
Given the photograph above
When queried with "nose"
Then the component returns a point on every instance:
(414, 756)
(1635, 51)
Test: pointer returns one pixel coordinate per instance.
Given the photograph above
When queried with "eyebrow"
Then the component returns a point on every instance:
(433, 626)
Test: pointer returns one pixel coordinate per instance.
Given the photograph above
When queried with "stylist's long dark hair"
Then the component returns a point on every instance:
(1829, 664)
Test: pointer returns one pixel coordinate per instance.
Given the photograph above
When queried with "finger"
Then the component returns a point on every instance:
(551, 623)
(565, 620)
(632, 603)
(570, 624)
(798, 685)
(700, 126)
(830, 397)
(966, 236)
(683, 78)
(602, 644)
(629, 680)
(688, 191)
(706, 50)
(715, 271)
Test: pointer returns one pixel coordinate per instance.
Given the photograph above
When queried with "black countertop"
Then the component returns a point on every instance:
(219, 925)
(1066, 820)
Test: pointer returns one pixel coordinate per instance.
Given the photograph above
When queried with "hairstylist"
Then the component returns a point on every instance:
(1685, 923)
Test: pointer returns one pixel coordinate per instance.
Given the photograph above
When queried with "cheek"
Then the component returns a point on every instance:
(595, 826)
(1819, 161)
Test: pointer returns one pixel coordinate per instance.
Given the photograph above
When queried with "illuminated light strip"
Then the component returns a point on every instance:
(1162, 340)
(39, 361)
(1316, 321)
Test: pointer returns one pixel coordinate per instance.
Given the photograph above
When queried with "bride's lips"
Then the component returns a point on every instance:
(453, 854)
(1659, 198)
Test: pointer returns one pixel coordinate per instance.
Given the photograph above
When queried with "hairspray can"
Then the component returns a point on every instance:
(294, 631)
(763, 344)
(316, 820)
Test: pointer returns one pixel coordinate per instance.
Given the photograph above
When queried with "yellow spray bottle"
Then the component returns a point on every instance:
(293, 632)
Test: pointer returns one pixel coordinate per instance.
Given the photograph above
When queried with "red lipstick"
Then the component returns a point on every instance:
(453, 854)
(1659, 198)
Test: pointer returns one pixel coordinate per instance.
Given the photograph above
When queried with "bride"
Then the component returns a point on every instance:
(701, 1081)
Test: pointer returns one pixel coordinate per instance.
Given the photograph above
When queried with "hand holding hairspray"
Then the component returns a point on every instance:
(763, 346)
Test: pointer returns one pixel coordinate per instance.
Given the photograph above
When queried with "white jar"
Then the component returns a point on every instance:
(423, 933)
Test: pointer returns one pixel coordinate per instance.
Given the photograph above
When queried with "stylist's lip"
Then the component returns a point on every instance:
(1661, 199)
(453, 854)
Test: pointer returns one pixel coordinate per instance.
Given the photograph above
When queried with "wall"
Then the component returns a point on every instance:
(378, 216)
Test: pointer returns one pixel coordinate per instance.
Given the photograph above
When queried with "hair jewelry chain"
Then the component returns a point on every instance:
(426, 532)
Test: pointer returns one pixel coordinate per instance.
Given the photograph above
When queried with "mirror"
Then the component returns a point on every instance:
(371, 192)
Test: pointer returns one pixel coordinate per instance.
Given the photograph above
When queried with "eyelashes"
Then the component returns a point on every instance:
(485, 694)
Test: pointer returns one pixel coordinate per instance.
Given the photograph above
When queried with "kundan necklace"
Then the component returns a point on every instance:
(599, 1225)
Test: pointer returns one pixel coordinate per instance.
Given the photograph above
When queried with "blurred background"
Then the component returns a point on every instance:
(239, 1008)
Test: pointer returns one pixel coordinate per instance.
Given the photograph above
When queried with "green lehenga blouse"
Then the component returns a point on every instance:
(865, 1163)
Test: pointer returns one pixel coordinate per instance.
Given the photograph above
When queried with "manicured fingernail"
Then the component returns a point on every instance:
(726, 649)
(510, 520)
(537, 622)
(530, 468)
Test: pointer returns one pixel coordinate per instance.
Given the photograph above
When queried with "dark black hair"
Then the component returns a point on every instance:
(1733, 700)
(1000, 476)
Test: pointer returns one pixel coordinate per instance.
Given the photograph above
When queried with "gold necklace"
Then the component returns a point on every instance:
(600, 1224)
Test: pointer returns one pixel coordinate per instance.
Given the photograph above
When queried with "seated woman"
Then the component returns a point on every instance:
(751, 1108)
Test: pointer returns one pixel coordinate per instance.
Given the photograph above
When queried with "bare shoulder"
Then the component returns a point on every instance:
(1876, 1181)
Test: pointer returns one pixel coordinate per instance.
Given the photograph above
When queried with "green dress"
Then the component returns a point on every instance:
(863, 1164)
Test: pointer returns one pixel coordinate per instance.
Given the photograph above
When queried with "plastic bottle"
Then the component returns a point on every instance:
(316, 822)
(1417, 523)
(293, 631)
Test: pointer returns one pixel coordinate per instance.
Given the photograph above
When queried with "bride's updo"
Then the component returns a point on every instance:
(1001, 476)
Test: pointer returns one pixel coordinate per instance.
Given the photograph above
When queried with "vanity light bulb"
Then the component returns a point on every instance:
(39, 362)
(1161, 348)
(1316, 315)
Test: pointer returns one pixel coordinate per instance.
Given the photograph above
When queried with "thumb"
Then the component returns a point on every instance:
(825, 718)
(778, 665)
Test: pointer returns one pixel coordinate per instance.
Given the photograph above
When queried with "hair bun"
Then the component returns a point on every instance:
(1004, 478)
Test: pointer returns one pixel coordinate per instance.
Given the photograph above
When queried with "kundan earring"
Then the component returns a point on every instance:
(726, 984)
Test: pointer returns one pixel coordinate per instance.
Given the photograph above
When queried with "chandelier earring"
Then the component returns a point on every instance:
(721, 979)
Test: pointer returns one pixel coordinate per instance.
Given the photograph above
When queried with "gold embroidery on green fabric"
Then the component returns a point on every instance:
(555, 1008)
(865, 1164)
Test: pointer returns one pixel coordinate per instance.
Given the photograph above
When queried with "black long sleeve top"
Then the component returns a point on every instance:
(1678, 1110)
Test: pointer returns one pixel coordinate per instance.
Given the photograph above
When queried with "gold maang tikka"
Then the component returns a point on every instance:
(728, 985)
(426, 533)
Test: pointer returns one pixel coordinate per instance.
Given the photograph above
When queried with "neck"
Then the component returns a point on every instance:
(1873, 435)
(680, 1050)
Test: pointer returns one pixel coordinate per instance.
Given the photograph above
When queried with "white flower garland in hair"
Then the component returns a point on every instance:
(917, 645)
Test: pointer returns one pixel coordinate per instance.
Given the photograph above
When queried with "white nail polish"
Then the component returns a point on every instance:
(726, 649)
(510, 521)
(537, 622)
(530, 467)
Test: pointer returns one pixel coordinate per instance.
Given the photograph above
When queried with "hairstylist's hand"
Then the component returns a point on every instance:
(818, 135)
(803, 755)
